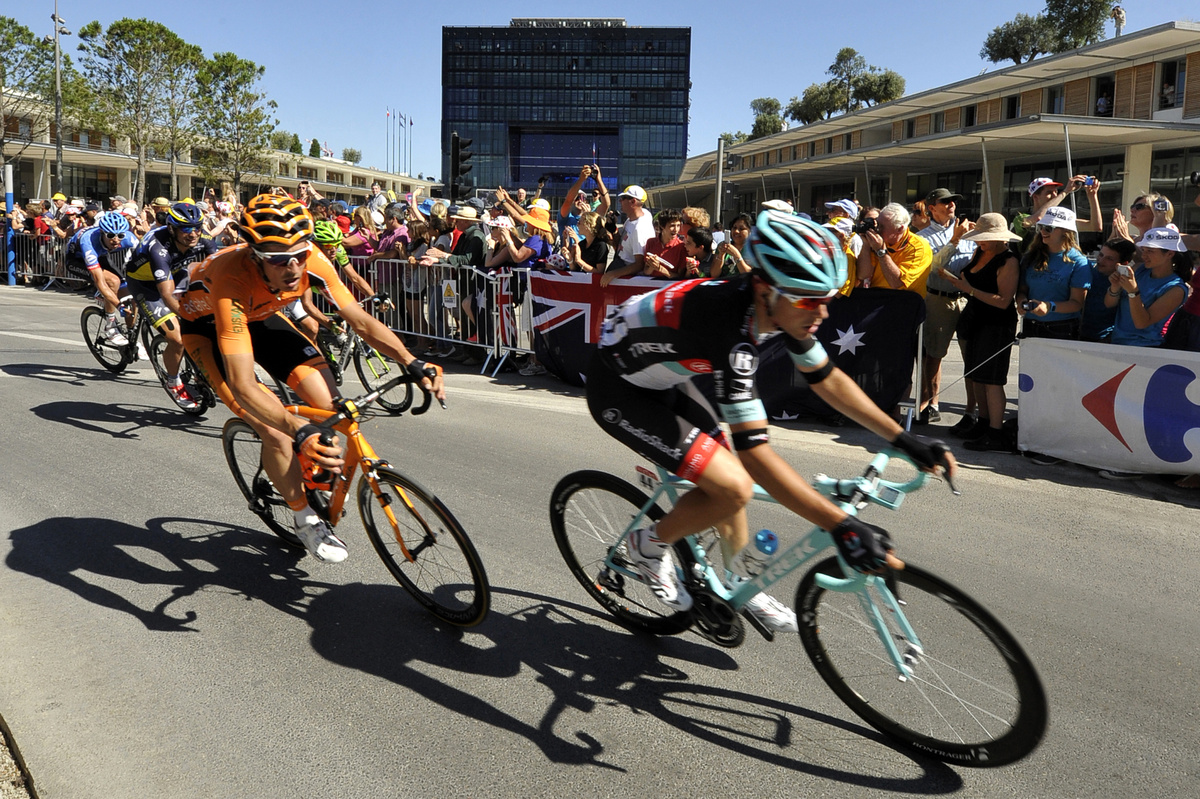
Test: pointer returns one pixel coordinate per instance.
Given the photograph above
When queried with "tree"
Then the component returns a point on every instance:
(734, 138)
(314, 148)
(878, 86)
(181, 104)
(767, 119)
(281, 139)
(127, 66)
(820, 101)
(26, 71)
(296, 147)
(1022, 39)
(352, 155)
(1077, 23)
(237, 118)
(847, 66)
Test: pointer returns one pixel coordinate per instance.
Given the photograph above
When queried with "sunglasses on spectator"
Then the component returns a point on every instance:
(1138, 207)
(282, 258)
(1045, 228)
(946, 202)
(801, 303)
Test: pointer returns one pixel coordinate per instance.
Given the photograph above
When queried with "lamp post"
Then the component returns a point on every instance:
(59, 29)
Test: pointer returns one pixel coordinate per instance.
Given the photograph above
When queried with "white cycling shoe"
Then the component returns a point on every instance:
(114, 336)
(652, 559)
(772, 613)
(319, 539)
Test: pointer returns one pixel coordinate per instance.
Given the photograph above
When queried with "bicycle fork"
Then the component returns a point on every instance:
(385, 501)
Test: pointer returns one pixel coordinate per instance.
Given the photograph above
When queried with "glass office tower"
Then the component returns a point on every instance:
(542, 97)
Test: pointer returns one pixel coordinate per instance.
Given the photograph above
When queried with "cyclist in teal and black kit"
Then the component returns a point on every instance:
(641, 389)
(159, 265)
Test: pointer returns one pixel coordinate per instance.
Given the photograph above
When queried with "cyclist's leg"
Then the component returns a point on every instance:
(164, 321)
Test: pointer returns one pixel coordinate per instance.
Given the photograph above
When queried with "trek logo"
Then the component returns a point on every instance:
(643, 347)
(743, 359)
(611, 415)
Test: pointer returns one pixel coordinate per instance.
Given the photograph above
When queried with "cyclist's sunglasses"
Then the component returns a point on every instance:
(283, 258)
(802, 303)
(113, 236)
(189, 229)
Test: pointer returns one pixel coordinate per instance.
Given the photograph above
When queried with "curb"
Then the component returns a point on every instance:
(7, 739)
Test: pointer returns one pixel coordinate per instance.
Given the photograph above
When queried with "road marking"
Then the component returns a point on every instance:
(72, 342)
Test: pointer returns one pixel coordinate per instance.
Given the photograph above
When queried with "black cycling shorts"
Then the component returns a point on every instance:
(677, 428)
(278, 347)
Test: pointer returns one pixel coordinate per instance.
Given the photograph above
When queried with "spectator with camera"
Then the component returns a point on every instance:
(1145, 297)
(897, 257)
(728, 259)
(575, 204)
(1055, 277)
(1098, 318)
(1148, 211)
(1045, 193)
(589, 248)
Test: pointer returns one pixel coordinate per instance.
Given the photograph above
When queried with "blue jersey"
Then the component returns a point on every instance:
(87, 245)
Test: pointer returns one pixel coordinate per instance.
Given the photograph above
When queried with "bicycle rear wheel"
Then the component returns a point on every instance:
(973, 698)
(374, 369)
(589, 513)
(157, 349)
(445, 573)
(110, 356)
(243, 452)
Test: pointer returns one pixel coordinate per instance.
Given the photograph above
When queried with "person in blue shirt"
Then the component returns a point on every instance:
(1146, 297)
(1098, 318)
(90, 248)
(1055, 277)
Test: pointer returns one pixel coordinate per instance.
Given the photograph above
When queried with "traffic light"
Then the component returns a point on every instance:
(459, 156)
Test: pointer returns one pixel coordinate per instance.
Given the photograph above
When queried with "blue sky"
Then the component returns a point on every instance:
(335, 67)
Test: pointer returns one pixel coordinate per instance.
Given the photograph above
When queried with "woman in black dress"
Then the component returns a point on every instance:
(988, 325)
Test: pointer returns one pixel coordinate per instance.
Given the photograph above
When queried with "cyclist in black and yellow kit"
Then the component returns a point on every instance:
(642, 390)
(158, 266)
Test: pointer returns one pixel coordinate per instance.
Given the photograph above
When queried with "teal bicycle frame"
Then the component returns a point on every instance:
(850, 495)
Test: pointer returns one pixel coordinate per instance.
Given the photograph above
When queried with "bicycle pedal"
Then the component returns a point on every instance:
(758, 625)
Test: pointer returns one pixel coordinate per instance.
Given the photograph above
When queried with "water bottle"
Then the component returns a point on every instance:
(754, 559)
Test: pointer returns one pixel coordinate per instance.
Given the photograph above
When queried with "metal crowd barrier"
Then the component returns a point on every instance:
(441, 306)
(43, 257)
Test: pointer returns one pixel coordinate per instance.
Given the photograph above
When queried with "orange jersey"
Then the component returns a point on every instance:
(228, 287)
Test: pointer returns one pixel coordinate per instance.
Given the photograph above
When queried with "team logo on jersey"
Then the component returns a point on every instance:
(743, 359)
(741, 389)
(697, 365)
(611, 415)
(311, 352)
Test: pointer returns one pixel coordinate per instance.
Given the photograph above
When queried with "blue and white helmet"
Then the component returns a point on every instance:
(796, 255)
(113, 223)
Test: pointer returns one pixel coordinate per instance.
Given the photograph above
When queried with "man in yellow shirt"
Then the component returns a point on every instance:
(898, 258)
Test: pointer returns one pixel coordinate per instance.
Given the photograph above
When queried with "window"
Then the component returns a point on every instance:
(358, 181)
(968, 116)
(829, 145)
(1171, 86)
(910, 128)
(1054, 100)
(847, 138)
(1102, 90)
(306, 173)
(939, 122)
(1012, 106)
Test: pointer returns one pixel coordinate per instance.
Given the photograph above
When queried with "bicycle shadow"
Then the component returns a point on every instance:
(584, 665)
(78, 375)
(123, 420)
(202, 556)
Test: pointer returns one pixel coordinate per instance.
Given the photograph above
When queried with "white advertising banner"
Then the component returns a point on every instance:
(1111, 407)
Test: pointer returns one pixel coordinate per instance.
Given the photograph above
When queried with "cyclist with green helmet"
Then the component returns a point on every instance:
(328, 237)
(642, 389)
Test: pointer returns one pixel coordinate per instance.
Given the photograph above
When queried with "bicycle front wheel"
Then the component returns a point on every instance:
(374, 369)
(243, 452)
(589, 514)
(973, 696)
(441, 569)
(110, 356)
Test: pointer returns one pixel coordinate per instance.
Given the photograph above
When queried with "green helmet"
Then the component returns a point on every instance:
(327, 233)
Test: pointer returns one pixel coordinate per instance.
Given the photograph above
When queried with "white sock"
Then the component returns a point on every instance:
(173, 381)
(306, 515)
(649, 543)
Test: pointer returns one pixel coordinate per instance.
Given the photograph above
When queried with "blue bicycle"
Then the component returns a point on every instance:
(912, 655)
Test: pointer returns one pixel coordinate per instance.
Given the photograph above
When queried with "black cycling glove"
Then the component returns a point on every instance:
(863, 546)
(926, 453)
(419, 369)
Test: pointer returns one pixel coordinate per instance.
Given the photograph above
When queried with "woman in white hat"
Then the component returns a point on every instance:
(1146, 297)
(987, 326)
(1055, 277)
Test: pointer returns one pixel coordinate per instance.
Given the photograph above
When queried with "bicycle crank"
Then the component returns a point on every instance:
(716, 620)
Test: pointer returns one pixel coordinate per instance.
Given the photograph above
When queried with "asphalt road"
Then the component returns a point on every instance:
(156, 641)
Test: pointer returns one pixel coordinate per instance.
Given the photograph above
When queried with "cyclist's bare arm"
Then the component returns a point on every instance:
(166, 290)
(312, 310)
(357, 281)
(105, 285)
(379, 336)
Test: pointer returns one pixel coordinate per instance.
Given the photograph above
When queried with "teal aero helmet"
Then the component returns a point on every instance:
(796, 255)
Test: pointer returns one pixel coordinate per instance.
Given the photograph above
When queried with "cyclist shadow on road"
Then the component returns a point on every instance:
(71, 552)
(76, 375)
(123, 420)
(585, 666)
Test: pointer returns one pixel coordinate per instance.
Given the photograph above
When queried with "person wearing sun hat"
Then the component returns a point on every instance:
(1153, 292)
(987, 327)
(1055, 277)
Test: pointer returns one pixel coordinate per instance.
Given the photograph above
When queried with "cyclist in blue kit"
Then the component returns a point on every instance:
(642, 390)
